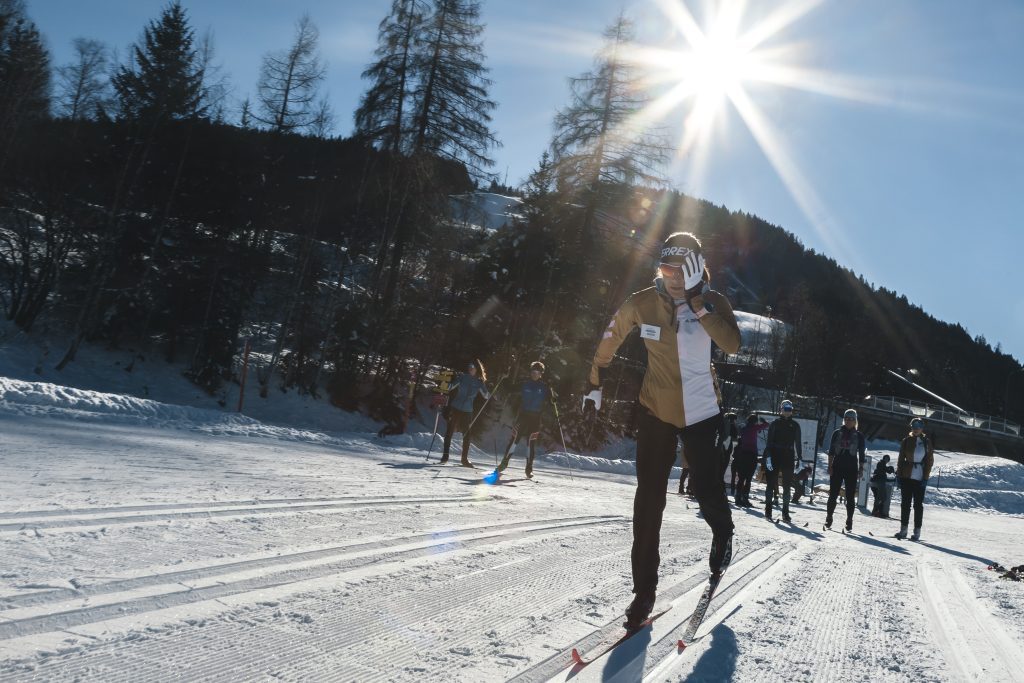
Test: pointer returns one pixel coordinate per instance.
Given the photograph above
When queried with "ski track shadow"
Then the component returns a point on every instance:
(800, 531)
(957, 553)
(718, 663)
(407, 465)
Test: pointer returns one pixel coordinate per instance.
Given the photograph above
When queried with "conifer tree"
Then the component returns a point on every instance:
(163, 79)
(24, 74)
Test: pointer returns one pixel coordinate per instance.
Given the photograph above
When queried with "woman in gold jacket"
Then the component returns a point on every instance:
(678, 320)
(917, 455)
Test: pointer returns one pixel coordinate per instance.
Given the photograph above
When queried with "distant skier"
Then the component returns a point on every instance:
(679, 318)
(879, 487)
(913, 468)
(845, 466)
(800, 483)
(460, 414)
(534, 395)
(746, 457)
(780, 456)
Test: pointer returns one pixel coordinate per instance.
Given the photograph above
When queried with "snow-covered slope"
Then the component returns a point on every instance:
(142, 541)
(486, 210)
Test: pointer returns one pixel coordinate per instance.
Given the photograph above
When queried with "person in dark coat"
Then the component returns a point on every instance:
(878, 487)
(781, 453)
(745, 460)
(845, 466)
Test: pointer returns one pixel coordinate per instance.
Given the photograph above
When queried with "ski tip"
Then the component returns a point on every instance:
(576, 656)
(680, 644)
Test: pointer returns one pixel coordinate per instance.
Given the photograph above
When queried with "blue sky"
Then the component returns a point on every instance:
(912, 178)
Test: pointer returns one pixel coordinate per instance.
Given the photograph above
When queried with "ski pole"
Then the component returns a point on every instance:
(558, 422)
(433, 438)
(484, 406)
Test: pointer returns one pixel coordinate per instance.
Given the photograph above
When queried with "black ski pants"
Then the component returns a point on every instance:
(912, 491)
(655, 456)
(841, 478)
(458, 421)
(782, 466)
(527, 425)
(745, 464)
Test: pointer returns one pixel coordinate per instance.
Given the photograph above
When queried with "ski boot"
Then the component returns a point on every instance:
(828, 521)
(916, 536)
(639, 610)
(849, 523)
(902, 533)
(721, 554)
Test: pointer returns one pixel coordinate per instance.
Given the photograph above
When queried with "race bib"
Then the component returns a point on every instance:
(652, 332)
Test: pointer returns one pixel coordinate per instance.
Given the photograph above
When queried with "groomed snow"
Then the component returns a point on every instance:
(149, 541)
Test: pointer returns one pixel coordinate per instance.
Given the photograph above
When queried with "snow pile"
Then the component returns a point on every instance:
(974, 482)
(41, 399)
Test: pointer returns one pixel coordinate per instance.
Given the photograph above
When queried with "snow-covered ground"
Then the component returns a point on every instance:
(144, 541)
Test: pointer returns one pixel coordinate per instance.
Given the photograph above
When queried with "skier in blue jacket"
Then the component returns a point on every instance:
(465, 389)
(534, 394)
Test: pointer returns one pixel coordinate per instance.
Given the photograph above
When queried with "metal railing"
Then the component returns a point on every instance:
(941, 413)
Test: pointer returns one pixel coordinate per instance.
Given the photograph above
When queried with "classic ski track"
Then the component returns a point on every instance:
(663, 655)
(664, 651)
(559, 662)
(462, 601)
(815, 628)
(118, 509)
(199, 512)
(171, 589)
(969, 640)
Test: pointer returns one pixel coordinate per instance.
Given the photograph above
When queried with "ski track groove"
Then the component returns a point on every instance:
(118, 509)
(71, 618)
(407, 618)
(970, 642)
(240, 512)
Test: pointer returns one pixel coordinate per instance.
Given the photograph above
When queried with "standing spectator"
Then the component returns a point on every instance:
(913, 469)
(879, 488)
(780, 455)
(845, 466)
(460, 414)
(745, 461)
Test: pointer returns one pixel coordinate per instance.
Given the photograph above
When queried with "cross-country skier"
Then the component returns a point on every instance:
(780, 456)
(465, 387)
(534, 395)
(745, 461)
(913, 468)
(845, 466)
(879, 488)
(678, 318)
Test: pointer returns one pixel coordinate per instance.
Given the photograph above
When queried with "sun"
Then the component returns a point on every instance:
(716, 67)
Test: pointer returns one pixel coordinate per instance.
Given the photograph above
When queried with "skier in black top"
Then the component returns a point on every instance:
(783, 450)
(845, 466)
